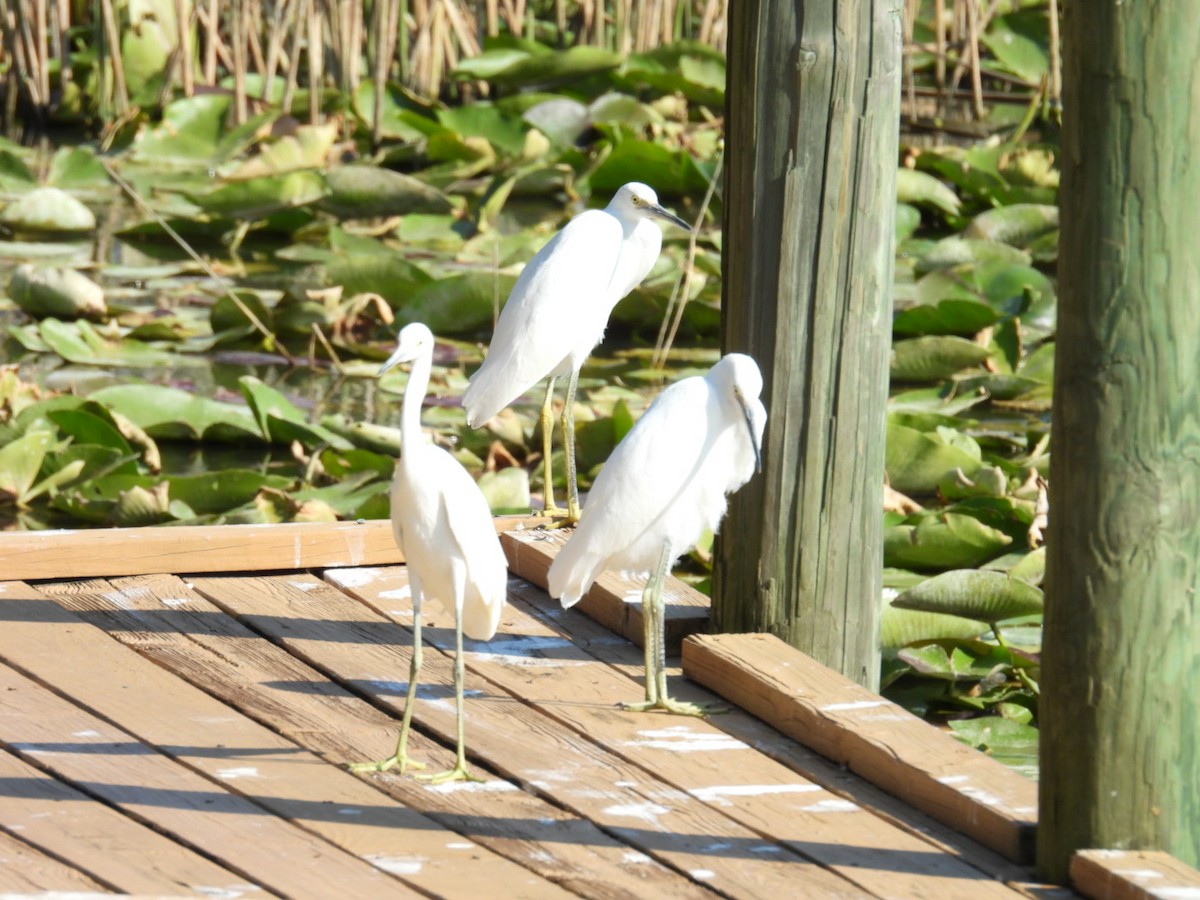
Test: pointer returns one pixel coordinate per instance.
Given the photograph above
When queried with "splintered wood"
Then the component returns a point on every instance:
(165, 735)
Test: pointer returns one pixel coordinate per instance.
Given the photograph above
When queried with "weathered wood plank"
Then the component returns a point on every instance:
(111, 552)
(196, 641)
(114, 849)
(618, 653)
(694, 756)
(1133, 875)
(874, 737)
(27, 871)
(614, 600)
(519, 741)
(273, 772)
(115, 767)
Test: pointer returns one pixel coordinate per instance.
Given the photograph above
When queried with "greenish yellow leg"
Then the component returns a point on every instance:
(568, 431)
(547, 422)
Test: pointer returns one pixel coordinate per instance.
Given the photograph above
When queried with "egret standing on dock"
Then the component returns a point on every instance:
(444, 528)
(663, 485)
(557, 312)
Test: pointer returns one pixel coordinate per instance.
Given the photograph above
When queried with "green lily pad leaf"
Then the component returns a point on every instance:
(900, 627)
(930, 660)
(79, 342)
(981, 595)
(190, 131)
(575, 62)
(460, 304)
(922, 189)
(48, 210)
(1013, 743)
(363, 192)
(506, 490)
(672, 172)
(14, 174)
(86, 427)
(257, 198)
(956, 316)
(281, 421)
(73, 168)
(681, 67)
(917, 461)
(1016, 53)
(908, 220)
(217, 492)
(943, 401)
(1031, 568)
(933, 358)
(955, 250)
(987, 481)
(340, 463)
(61, 476)
(485, 120)
(173, 414)
(490, 63)
(347, 495)
(229, 320)
(561, 119)
(1017, 224)
(20, 462)
(61, 293)
(381, 439)
(404, 117)
(139, 506)
(942, 541)
(391, 276)
(307, 148)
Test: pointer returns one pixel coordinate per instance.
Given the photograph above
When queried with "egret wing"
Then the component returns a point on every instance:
(557, 305)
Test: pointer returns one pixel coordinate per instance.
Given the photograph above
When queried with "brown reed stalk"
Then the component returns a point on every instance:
(113, 41)
(908, 77)
(316, 61)
(41, 16)
(973, 31)
(212, 27)
(939, 59)
(1054, 81)
(282, 17)
(398, 32)
(237, 42)
(293, 75)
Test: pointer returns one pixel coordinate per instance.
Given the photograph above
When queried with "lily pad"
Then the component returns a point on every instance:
(933, 358)
(942, 541)
(981, 595)
(460, 304)
(917, 461)
(48, 210)
(281, 421)
(174, 414)
(361, 192)
(257, 198)
(60, 293)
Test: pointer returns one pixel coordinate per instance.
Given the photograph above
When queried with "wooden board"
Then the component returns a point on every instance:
(26, 871)
(196, 641)
(693, 756)
(121, 853)
(238, 755)
(1133, 875)
(872, 736)
(614, 600)
(108, 552)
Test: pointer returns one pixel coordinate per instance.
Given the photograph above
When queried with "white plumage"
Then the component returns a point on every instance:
(558, 310)
(444, 528)
(666, 482)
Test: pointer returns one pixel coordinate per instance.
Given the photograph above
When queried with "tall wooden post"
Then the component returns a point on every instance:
(1120, 751)
(812, 112)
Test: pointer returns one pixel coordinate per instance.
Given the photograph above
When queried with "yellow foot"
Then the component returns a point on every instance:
(458, 773)
(677, 707)
(564, 518)
(395, 760)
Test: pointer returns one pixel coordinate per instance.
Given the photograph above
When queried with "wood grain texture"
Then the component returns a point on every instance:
(273, 772)
(812, 145)
(121, 853)
(111, 552)
(876, 738)
(1120, 737)
(1132, 875)
(614, 600)
(151, 787)
(26, 871)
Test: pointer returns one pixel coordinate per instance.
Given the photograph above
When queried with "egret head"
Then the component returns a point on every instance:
(414, 340)
(739, 381)
(638, 201)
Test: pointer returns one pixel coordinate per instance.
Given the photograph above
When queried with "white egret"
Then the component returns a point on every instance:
(664, 484)
(444, 528)
(557, 312)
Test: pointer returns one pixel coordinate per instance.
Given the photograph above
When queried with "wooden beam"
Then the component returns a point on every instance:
(614, 600)
(882, 742)
(1132, 875)
(111, 552)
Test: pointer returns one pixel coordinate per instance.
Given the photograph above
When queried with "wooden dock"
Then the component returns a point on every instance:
(177, 710)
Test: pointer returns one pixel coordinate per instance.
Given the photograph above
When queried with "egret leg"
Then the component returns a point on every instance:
(401, 758)
(459, 772)
(654, 625)
(547, 421)
(568, 430)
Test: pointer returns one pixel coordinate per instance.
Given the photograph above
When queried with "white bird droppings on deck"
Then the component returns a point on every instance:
(495, 786)
(175, 602)
(238, 772)
(403, 592)
(354, 578)
(857, 704)
(89, 733)
(645, 812)
(682, 739)
(304, 585)
(718, 792)
(226, 893)
(832, 805)
(397, 865)
(702, 874)
(460, 845)
(635, 857)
